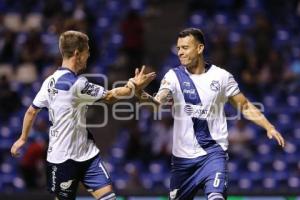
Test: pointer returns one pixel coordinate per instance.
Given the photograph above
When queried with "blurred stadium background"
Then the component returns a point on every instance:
(257, 41)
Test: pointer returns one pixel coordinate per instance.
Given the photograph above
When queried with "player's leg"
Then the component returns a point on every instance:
(216, 181)
(62, 180)
(215, 196)
(104, 193)
(185, 180)
(97, 181)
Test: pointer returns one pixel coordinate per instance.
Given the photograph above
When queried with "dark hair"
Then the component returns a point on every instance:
(69, 41)
(195, 32)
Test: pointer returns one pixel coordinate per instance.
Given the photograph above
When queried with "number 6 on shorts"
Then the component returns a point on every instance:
(217, 180)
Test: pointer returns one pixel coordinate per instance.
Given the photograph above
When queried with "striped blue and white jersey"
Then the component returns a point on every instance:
(66, 97)
(200, 125)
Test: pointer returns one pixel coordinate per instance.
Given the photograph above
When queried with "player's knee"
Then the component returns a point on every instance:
(215, 196)
(108, 196)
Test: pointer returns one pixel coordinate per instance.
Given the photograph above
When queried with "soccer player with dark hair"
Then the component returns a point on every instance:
(199, 91)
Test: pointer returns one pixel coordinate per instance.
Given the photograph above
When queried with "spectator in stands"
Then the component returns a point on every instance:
(240, 136)
(162, 137)
(137, 147)
(7, 47)
(132, 29)
(33, 161)
(9, 99)
(32, 50)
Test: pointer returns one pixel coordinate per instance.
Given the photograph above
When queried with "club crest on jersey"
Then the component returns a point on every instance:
(215, 86)
(51, 90)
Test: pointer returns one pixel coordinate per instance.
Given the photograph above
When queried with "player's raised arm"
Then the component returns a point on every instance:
(164, 94)
(28, 121)
(135, 84)
(253, 114)
(159, 99)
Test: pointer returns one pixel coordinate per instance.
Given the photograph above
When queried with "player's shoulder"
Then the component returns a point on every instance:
(171, 73)
(81, 80)
(219, 72)
(47, 81)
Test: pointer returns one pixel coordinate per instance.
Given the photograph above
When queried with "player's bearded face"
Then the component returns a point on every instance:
(187, 51)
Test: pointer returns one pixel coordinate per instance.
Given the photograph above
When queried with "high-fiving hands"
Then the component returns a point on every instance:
(142, 79)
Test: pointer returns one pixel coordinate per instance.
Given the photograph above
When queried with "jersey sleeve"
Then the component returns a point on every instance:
(88, 92)
(168, 82)
(40, 101)
(231, 87)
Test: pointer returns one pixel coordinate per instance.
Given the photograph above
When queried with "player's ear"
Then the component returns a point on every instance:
(76, 52)
(200, 48)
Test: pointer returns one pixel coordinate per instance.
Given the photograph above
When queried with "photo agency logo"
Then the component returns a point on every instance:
(129, 109)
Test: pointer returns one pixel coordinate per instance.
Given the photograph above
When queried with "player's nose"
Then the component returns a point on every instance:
(180, 53)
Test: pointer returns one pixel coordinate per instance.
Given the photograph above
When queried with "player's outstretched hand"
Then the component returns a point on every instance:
(142, 79)
(273, 133)
(16, 147)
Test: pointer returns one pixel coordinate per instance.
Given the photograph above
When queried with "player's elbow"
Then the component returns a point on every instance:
(31, 111)
(245, 105)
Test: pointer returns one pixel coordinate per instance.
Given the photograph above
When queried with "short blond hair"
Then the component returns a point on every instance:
(70, 41)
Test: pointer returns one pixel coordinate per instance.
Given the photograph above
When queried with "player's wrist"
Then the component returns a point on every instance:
(23, 139)
(131, 85)
(138, 93)
(270, 128)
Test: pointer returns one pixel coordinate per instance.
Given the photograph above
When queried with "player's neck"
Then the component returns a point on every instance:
(199, 68)
(69, 64)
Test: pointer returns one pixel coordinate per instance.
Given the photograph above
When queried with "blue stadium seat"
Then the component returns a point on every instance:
(282, 37)
(117, 155)
(197, 19)
(158, 173)
(293, 101)
(245, 182)
(5, 144)
(221, 18)
(253, 5)
(147, 180)
(244, 21)
(279, 165)
(254, 166)
(294, 182)
(270, 183)
(138, 5)
(234, 37)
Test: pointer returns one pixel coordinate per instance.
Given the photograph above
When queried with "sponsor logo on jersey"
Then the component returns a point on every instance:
(90, 89)
(191, 91)
(173, 194)
(197, 111)
(66, 185)
(54, 170)
(187, 84)
(63, 194)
